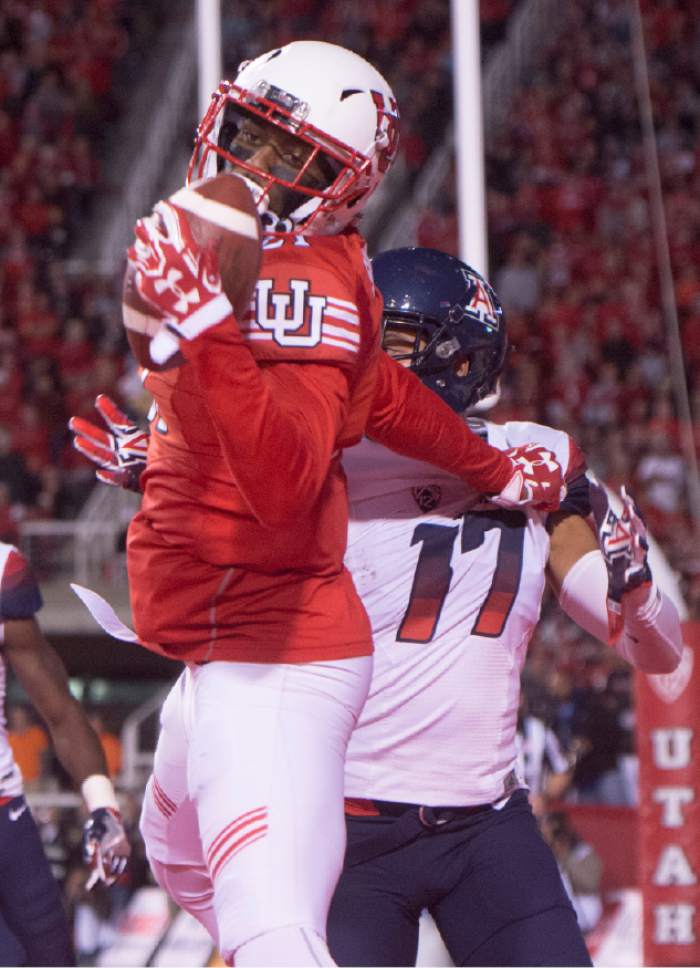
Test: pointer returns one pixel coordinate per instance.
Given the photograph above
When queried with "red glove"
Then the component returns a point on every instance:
(180, 279)
(537, 480)
(120, 452)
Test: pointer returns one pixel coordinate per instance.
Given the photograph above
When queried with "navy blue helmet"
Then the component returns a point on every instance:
(453, 316)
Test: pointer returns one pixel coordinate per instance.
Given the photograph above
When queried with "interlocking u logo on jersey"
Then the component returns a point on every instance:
(294, 318)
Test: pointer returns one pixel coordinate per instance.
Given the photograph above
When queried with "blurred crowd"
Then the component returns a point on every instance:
(63, 65)
(572, 258)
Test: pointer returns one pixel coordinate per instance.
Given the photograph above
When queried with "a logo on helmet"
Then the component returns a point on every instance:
(387, 129)
(481, 305)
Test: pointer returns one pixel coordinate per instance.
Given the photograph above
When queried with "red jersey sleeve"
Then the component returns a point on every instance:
(277, 425)
(412, 420)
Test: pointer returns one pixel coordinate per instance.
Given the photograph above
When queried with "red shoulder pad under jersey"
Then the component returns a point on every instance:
(19, 593)
(314, 302)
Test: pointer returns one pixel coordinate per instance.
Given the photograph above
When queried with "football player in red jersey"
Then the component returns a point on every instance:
(236, 557)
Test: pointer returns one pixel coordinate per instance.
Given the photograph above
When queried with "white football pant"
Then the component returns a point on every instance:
(243, 815)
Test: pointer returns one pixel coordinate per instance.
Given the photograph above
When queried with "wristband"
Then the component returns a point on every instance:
(97, 791)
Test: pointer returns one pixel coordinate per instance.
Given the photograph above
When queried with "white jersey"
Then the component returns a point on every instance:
(453, 599)
(19, 598)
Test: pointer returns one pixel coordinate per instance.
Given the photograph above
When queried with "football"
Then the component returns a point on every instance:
(219, 210)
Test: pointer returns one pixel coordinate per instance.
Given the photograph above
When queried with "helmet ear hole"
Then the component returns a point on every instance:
(462, 367)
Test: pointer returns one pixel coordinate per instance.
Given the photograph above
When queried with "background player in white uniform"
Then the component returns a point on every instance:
(437, 818)
(33, 925)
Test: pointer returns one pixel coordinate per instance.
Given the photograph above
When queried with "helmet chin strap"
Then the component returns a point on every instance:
(262, 201)
(304, 211)
(270, 219)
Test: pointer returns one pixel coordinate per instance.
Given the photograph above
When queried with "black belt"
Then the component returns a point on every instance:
(429, 816)
(412, 820)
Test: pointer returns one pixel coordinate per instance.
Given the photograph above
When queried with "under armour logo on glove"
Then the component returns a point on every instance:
(537, 480)
(624, 546)
(119, 451)
(105, 846)
(180, 279)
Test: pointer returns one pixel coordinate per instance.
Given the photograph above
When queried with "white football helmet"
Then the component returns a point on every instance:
(330, 99)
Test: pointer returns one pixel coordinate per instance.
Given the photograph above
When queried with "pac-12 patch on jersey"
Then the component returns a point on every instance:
(427, 496)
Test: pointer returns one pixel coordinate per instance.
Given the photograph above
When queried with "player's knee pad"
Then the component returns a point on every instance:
(294, 944)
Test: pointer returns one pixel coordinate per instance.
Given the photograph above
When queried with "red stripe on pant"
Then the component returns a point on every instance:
(248, 838)
(232, 828)
(161, 802)
(166, 799)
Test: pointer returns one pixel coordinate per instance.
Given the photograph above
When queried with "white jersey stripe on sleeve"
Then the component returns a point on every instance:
(341, 343)
(343, 303)
(343, 333)
(343, 315)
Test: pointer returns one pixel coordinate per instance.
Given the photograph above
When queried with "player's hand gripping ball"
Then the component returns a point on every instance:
(198, 252)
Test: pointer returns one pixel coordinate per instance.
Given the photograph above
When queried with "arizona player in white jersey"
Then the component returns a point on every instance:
(33, 925)
(453, 598)
(437, 815)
